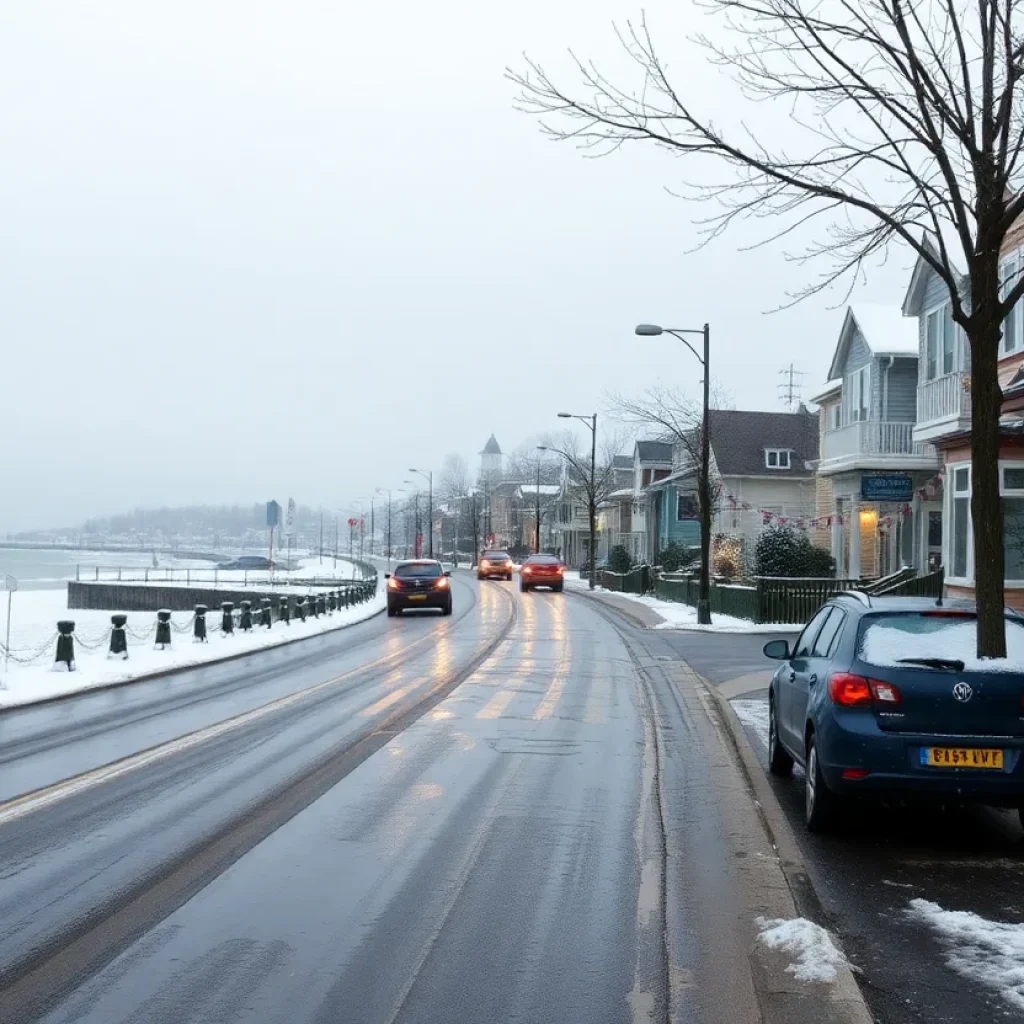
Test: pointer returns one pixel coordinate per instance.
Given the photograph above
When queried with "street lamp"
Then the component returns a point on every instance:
(591, 423)
(429, 477)
(540, 448)
(387, 491)
(417, 551)
(704, 481)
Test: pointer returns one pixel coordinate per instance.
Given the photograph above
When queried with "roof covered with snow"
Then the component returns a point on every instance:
(830, 388)
(885, 330)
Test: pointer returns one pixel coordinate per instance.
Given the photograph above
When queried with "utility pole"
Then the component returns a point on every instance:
(321, 535)
(536, 546)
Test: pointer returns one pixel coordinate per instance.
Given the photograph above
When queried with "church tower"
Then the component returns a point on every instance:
(491, 460)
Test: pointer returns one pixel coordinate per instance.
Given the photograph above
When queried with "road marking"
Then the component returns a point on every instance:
(392, 698)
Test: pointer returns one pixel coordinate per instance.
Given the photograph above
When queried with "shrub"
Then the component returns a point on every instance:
(783, 551)
(676, 556)
(619, 560)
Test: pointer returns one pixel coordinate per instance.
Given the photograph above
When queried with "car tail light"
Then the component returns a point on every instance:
(508, 564)
(442, 583)
(484, 564)
(848, 690)
(884, 693)
(855, 774)
(527, 568)
(393, 584)
(561, 569)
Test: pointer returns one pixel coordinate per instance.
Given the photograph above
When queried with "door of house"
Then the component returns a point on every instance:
(931, 559)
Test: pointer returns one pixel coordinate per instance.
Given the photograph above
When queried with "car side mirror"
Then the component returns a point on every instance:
(777, 650)
(387, 575)
(448, 572)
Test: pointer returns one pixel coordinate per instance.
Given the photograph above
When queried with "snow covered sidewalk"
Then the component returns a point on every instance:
(30, 674)
(673, 615)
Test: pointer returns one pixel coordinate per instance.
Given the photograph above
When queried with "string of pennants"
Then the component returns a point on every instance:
(768, 517)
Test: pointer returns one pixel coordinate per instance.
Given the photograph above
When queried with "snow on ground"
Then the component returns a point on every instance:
(34, 613)
(988, 952)
(754, 715)
(814, 955)
(683, 616)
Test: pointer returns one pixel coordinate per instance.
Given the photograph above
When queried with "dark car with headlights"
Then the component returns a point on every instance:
(494, 565)
(886, 697)
(419, 583)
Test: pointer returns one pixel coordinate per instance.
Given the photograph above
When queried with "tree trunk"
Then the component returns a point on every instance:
(986, 508)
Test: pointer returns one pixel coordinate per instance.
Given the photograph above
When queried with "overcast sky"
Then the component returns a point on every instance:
(260, 249)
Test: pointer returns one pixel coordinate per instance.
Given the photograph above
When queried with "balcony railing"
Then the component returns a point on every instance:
(944, 398)
(872, 437)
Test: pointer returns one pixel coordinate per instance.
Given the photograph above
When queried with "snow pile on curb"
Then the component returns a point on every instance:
(815, 956)
(754, 715)
(989, 952)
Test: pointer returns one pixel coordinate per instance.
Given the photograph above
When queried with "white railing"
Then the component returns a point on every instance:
(872, 437)
(944, 397)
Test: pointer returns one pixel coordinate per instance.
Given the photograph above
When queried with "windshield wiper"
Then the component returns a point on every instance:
(953, 664)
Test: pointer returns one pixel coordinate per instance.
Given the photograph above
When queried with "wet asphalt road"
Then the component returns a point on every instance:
(882, 858)
(422, 819)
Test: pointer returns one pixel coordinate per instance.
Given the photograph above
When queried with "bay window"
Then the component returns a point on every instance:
(960, 550)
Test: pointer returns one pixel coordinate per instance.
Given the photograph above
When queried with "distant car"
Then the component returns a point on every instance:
(419, 583)
(494, 565)
(885, 696)
(542, 571)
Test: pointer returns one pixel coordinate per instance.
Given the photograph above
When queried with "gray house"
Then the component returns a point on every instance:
(871, 462)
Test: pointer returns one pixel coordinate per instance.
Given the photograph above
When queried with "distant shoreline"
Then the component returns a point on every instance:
(27, 545)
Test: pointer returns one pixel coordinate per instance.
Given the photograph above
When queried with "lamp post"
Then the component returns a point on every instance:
(387, 491)
(417, 528)
(429, 477)
(704, 482)
(591, 423)
(536, 546)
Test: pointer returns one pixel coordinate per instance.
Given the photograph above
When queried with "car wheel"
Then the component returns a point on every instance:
(821, 804)
(558, 588)
(779, 761)
(392, 611)
(523, 588)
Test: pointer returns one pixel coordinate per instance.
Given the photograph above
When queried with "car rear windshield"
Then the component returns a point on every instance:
(422, 571)
(496, 556)
(542, 560)
(946, 635)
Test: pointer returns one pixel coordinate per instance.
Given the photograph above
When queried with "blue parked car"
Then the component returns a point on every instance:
(886, 696)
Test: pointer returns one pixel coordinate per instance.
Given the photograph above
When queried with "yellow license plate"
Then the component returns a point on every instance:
(417, 597)
(964, 757)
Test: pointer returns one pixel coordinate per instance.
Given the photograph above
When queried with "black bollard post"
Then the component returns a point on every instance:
(313, 608)
(284, 611)
(199, 627)
(330, 602)
(245, 620)
(265, 617)
(118, 640)
(65, 645)
(163, 630)
(227, 622)
(300, 607)
(321, 605)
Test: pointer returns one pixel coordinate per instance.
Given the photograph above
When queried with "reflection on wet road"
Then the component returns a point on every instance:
(451, 820)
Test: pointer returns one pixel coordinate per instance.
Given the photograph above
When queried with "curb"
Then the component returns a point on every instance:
(849, 1006)
(632, 619)
(177, 670)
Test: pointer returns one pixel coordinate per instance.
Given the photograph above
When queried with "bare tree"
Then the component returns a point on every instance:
(676, 419)
(905, 126)
(454, 481)
(592, 484)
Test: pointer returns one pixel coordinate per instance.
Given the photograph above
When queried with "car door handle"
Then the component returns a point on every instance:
(812, 679)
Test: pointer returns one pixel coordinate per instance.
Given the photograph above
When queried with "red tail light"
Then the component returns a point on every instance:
(855, 774)
(561, 568)
(848, 690)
